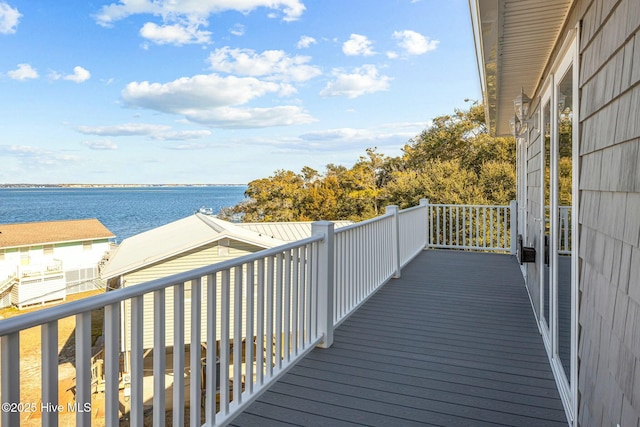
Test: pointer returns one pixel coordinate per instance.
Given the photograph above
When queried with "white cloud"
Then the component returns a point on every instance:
(242, 118)
(23, 72)
(396, 133)
(275, 64)
(182, 135)
(34, 157)
(176, 34)
(305, 42)
(363, 80)
(102, 144)
(127, 129)
(9, 18)
(157, 132)
(348, 143)
(189, 146)
(344, 145)
(358, 45)
(214, 100)
(414, 43)
(193, 10)
(237, 30)
(197, 92)
(79, 75)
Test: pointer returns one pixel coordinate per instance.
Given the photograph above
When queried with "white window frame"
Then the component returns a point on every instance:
(567, 57)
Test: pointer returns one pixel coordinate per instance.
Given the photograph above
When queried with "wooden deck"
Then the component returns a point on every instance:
(451, 343)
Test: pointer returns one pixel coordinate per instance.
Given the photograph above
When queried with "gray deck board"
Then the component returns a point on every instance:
(452, 342)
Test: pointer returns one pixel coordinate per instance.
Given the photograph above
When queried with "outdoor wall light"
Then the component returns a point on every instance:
(515, 125)
(521, 105)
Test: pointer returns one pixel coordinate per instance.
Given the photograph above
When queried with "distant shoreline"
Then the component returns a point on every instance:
(114, 185)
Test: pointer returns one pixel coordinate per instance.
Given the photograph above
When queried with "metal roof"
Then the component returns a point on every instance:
(178, 237)
(514, 40)
(288, 231)
(49, 232)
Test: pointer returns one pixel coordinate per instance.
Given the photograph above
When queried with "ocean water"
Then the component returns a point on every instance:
(124, 211)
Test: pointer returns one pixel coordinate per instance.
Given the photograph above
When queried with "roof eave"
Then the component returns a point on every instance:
(514, 40)
(57, 242)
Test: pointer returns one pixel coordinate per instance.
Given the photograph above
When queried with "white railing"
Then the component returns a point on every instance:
(564, 228)
(273, 309)
(54, 267)
(413, 231)
(473, 227)
(7, 282)
(363, 262)
(369, 253)
(260, 314)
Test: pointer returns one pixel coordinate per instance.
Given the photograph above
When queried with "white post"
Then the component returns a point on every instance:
(49, 355)
(10, 349)
(513, 207)
(83, 369)
(395, 239)
(324, 274)
(425, 203)
(112, 363)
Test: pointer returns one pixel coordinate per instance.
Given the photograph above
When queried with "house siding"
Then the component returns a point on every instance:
(195, 258)
(609, 217)
(609, 343)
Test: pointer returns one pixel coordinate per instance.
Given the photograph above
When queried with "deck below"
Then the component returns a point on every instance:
(452, 343)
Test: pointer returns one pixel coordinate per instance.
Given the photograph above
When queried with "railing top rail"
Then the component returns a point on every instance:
(362, 223)
(40, 317)
(468, 206)
(412, 208)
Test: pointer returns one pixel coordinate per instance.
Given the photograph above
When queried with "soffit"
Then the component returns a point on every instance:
(514, 40)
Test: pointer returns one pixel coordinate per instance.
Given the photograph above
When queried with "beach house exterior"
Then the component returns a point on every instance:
(566, 74)
(578, 139)
(40, 260)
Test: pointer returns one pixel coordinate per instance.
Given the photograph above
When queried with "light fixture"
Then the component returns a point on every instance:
(515, 125)
(521, 105)
(561, 102)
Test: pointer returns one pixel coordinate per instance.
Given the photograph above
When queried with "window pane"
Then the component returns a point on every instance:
(565, 147)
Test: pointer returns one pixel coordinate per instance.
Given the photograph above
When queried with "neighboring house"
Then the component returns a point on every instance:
(578, 184)
(39, 260)
(192, 242)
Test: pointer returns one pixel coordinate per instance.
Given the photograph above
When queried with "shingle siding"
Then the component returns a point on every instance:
(609, 339)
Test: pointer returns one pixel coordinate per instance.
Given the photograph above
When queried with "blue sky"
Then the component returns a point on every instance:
(221, 91)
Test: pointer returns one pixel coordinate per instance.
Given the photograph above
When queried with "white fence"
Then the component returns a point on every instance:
(369, 253)
(564, 230)
(473, 227)
(564, 227)
(83, 280)
(275, 306)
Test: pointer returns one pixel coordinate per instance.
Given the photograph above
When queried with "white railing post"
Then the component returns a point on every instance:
(425, 203)
(10, 350)
(395, 239)
(49, 355)
(513, 208)
(324, 274)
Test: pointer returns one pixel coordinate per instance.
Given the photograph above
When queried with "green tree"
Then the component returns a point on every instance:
(453, 161)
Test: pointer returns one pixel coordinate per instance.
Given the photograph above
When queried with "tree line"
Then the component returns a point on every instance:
(454, 161)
